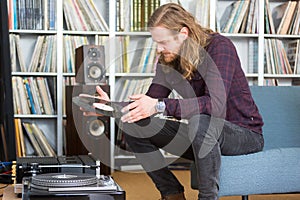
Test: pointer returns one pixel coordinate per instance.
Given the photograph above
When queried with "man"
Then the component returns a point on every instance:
(204, 68)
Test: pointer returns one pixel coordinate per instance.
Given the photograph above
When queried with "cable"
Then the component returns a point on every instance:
(1, 195)
(4, 186)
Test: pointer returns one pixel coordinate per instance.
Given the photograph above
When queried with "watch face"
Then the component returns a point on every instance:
(160, 106)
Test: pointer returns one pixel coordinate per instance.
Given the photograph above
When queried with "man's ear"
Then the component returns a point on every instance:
(184, 33)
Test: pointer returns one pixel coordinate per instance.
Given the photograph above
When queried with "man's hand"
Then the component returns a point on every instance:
(102, 95)
(142, 107)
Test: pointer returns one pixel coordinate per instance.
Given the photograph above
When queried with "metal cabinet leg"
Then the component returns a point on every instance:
(245, 197)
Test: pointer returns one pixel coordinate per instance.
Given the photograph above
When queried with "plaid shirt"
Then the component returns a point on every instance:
(219, 88)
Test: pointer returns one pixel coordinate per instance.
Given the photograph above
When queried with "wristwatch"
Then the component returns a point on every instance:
(160, 106)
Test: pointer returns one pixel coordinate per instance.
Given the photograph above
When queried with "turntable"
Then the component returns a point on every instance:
(71, 186)
(75, 177)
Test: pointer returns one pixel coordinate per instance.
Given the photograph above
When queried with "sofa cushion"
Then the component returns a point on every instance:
(266, 172)
(280, 109)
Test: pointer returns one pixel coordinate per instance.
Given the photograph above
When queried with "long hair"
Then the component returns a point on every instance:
(174, 17)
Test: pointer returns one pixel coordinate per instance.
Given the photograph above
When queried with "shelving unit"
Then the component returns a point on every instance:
(244, 42)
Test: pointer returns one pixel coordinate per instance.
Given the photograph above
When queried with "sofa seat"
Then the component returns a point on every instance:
(276, 169)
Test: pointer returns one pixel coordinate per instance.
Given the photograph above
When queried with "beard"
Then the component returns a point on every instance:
(170, 61)
(168, 57)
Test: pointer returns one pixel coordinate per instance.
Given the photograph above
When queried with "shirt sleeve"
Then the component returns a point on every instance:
(217, 71)
(159, 87)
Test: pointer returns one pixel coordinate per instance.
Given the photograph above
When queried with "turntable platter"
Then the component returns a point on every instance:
(44, 181)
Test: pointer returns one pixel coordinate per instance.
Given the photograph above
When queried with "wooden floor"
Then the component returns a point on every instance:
(138, 186)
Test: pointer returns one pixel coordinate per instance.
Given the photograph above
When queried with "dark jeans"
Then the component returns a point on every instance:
(204, 139)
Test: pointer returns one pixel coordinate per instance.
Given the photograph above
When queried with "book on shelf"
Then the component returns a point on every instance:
(269, 24)
(40, 44)
(32, 105)
(124, 14)
(16, 99)
(280, 82)
(143, 60)
(137, 53)
(20, 58)
(133, 15)
(17, 139)
(32, 139)
(276, 57)
(21, 95)
(125, 42)
(32, 14)
(120, 60)
(37, 12)
(228, 16)
(13, 56)
(35, 95)
(251, 19)
(20, 141)
(42, 141)
(239, 17)
(202, 11)
(83, 16)
(45, 95)
(37, 140)
(143, 56)
(253, 56)
(49, 14)
(270, 82)
(127, 87)
(284, 13)
(70, 44)
(277, 14)
(43, 56)
(296, 21)
(32, 95)
(286, 17)
(293, 55)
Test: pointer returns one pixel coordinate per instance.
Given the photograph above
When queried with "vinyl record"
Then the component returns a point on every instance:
(107, 108)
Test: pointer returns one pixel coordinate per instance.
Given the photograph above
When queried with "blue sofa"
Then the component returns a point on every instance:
(277, 168)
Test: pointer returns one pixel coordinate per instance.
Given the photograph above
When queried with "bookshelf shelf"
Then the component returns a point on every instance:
(282, 76)
(50, 74)
(34, 116)
(133, 33)
(36, 32)
(69, 74)
(251, 75)
(134, 74)
(65, 32)
(241, 35)
(282, 36)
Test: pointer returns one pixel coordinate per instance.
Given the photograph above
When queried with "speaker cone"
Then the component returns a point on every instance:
(95, 71)
(96, 127)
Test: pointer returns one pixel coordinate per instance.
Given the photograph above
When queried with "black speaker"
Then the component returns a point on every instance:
(87, 134)
(90, 64)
